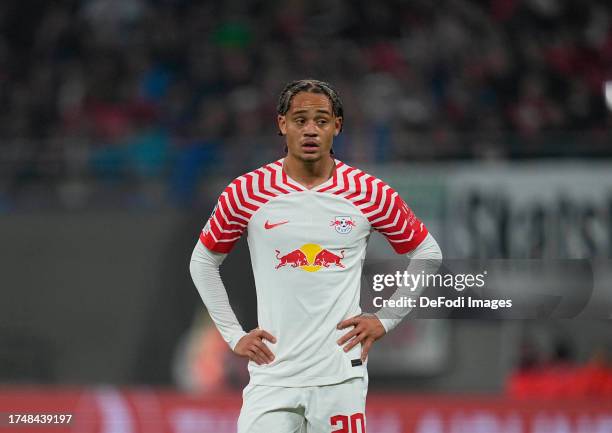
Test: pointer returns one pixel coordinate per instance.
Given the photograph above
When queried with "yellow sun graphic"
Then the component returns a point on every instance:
(310, 251)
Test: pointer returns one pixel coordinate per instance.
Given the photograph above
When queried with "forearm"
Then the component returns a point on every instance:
(426, 259)
(204, 268)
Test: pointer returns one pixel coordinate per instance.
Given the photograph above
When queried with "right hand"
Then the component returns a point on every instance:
(253, 347)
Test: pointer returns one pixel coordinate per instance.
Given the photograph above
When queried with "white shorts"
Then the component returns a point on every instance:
(310, 409)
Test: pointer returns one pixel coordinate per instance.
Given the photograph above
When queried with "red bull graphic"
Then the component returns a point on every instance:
(310, 258)
(295, 258)
(326, 258)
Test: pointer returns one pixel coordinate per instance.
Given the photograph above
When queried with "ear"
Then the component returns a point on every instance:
(282, 124)
(337, 125)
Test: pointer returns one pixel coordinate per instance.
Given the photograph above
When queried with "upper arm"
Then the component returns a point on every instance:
(226, 224)
(397, 222)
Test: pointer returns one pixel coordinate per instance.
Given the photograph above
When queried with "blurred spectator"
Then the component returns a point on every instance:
(459, 79)
(203, 362)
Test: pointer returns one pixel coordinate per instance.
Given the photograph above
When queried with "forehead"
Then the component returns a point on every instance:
(310, 101)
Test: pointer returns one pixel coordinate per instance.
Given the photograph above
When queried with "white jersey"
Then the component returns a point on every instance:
(307, 248)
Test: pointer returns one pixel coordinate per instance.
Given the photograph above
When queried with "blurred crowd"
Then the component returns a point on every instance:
(560, 375)
(163, 92)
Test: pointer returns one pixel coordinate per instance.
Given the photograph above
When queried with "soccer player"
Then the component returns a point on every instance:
(308, 217)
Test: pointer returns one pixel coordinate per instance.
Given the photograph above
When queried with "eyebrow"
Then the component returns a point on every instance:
(306, 111)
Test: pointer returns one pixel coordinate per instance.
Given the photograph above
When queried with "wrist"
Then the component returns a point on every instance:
(235, 338)
(388, 324)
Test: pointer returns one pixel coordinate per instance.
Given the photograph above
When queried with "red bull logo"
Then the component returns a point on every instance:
(310, 258)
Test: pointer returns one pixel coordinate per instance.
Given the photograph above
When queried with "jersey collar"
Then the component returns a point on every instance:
(328, 184)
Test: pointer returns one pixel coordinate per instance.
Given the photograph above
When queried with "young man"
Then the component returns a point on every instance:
(309, 218)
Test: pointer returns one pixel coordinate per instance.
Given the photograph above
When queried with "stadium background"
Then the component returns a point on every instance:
(123, 120)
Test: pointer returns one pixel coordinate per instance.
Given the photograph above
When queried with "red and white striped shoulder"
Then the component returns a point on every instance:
(380, 204)
(240, 200)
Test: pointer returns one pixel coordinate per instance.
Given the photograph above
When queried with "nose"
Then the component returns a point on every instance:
(310, 129)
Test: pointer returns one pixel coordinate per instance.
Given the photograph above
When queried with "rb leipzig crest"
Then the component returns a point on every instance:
(343, 224)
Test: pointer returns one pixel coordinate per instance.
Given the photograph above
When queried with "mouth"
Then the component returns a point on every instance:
(310, 145)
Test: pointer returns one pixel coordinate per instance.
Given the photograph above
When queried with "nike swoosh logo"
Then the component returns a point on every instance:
(269, 226)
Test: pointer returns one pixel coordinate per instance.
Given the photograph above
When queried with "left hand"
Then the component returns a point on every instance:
(367, 329)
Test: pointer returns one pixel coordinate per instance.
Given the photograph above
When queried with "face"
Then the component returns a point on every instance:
(309, 126)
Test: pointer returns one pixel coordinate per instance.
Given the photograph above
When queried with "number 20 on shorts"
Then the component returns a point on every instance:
(342, 421)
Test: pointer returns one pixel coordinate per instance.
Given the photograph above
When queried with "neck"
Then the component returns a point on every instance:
(309, 173)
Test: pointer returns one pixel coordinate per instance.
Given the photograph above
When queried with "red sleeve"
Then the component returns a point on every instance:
(397, 222)
(226, 223)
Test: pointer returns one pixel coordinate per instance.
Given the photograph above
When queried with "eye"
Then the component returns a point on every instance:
(299, 120)
(322, 121)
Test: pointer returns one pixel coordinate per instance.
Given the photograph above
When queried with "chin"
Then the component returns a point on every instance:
(310, 157)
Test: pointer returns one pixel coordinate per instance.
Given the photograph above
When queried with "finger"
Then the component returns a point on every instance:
(259, 355)
(366, 348)
(355, 341)
(266, 335)
(253, 357)
(259, 358)
(266, 352)
(346, 337)
(242, 352)
(242, 348)
(260, 348)
(353, 321)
